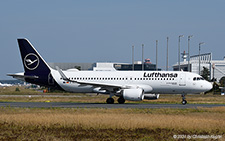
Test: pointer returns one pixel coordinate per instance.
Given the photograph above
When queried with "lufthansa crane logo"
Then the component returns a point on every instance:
(31, 61)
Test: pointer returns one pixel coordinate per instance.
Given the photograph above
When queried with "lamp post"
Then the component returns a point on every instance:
(167, 54)
(199, 57)
(142, 57)
(133, 58)
(179, 51)
(156, 55)
(189, 38)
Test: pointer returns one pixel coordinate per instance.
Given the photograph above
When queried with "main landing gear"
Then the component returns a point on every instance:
(110, 100)
(120, 100)
(184, 102)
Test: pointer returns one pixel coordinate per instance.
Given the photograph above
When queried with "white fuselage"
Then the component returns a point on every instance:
(160, 82)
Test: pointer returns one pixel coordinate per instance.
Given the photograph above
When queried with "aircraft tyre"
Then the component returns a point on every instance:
(184, 102)
(110, 101)
(121, 100)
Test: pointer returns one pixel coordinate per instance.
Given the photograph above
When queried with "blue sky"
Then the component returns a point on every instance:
(104, 31)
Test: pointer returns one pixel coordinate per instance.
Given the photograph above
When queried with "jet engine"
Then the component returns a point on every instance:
(133, 94)
(151, 96)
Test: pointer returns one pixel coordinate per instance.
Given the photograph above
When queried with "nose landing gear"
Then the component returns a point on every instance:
(184, 102)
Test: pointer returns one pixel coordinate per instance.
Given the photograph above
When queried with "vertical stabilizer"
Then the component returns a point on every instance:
(34, 64)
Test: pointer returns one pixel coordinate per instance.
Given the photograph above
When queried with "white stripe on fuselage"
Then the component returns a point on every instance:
(161, 82)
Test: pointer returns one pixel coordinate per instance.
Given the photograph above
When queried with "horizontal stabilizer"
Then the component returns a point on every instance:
(21, 76)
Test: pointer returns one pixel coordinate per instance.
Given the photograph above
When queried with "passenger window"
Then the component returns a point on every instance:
(198, 78)
(194, 78)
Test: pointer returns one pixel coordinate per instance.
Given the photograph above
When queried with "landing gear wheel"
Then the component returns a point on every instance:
(183, 99)
(121, 100)
(110, 101)
(184, 102)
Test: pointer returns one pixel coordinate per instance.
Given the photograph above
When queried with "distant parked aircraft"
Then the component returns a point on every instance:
(5, 85)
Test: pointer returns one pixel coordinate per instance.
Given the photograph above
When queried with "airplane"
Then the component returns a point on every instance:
(127, 85)
(5, 85)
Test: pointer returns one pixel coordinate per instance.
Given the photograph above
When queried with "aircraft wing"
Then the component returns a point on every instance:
(97, 84)
(107, 86)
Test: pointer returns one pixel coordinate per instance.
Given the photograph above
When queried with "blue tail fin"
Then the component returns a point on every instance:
(34, 64)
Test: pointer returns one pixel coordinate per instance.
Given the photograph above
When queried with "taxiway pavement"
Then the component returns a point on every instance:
(102, 105)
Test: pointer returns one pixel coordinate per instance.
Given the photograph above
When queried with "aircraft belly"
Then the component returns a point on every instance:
(76, 88)
(169, 89)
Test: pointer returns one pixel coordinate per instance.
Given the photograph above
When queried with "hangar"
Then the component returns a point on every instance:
(216, 67)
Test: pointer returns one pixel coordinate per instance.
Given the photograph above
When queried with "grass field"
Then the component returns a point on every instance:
(108, 124)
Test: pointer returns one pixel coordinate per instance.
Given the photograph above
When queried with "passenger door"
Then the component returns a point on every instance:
(182, 79)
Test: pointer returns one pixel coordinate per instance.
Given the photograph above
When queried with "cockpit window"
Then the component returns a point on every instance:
(198, 78)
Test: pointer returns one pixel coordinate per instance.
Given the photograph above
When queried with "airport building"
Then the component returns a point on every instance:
(66, 66)
(216, 67)
(106, 66)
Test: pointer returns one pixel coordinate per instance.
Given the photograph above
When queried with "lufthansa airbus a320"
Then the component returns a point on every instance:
(127, 85)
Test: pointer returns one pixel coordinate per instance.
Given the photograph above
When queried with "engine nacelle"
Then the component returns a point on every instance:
(151, 96)
(133, 94)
